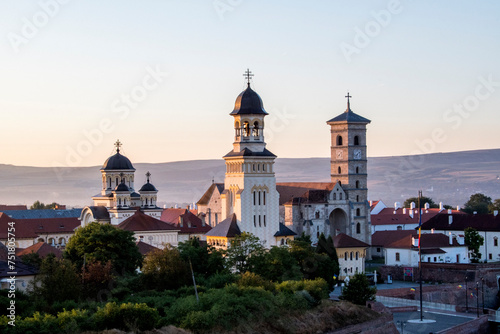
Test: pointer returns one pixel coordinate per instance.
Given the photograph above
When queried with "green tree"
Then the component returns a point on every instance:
(479, 203)
(104, 242)
(495, 206)
(32, 259)
(206, 260)
(358, 290)
(57, 281)
(97, 279)
(165, 269)
(326, 246)
(244, 251)
(473, 240)
(277, 265)
(37, 205)
(423, 200)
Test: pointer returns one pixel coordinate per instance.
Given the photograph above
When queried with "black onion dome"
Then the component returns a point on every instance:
(117, 161)
(122, 187)
(248, 102)
(147, 187)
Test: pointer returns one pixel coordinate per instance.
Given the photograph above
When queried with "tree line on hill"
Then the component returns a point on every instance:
(96, 285)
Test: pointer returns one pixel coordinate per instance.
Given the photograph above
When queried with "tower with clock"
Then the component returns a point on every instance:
(349, 171)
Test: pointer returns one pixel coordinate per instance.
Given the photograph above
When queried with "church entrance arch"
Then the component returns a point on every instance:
(338, 222)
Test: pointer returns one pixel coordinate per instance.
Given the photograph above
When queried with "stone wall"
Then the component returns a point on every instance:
(476, 326)
(382, 325)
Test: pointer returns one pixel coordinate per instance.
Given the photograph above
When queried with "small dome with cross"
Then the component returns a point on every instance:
(117, 161)
(248, 102)
(147, 186)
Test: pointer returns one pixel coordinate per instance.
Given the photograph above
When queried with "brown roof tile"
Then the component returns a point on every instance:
(140, 221)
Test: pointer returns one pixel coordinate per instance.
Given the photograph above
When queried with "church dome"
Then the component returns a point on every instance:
(147, 187)
(117, 161)
(122, 187)
(248, 102)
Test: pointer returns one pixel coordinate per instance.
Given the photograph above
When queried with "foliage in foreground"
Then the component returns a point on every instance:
(358, 291)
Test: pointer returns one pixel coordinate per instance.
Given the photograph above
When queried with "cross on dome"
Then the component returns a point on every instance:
(248, 75)
(348, 102)
(118, 144)
(148, 174)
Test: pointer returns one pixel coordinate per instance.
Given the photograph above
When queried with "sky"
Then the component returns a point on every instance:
(162, 76)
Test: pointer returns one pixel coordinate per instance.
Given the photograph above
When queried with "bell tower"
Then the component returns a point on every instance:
(349, 167)
(250, 184)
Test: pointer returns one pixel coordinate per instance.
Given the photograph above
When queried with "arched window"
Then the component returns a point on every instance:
(340, 196)
(282, 242)
(264, 220)
(356, 140)
(264, 197)
(317, 215)
(246, 129)
(255, 130)
(260, 222)
(350, 257)
(357, 198)
(340, 170)
(259, 197)
(358, 228)
(357, 170)
(237, 129)
(254, 198)
(334, 196)
(495, 241)
(357, 184)
(357, 257)
(358, 212)
(345, 256)
(339, 140)
(254, 221)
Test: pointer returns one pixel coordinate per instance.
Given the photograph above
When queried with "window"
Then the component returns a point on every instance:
(490, 256)
(254, 221)
(256, 129)
(358, 228)
(357, 184)
(339, 140)
(264, 220)
(429, 259)
(357, 198)
(316, 215)
(495, 241)
(378, 249)
(435, 259)
(216, 219)
(260, 222)
(345, 256)
(357, 170)
(334, 196)
(264, 197)
(358, 212)
(282, 242)
(259, 197)
(264, 167)
(246, 129)
(356, 140)
(340, 196)
(254, 201)
(350, 257)
(397, 257)
(340, 170)
(458, 258)
(357, 257)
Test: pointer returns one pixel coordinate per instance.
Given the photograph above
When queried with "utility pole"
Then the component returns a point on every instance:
(477, 299)
(482, 291)
(420, 253)
(466, 294)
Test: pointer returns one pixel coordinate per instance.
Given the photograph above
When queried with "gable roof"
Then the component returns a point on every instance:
(32, 228)
(145, 248)
(460, 222)
(427, 241)
(208, 194)
(21, 269)
(42, 249)
(389, 216)
(284, 231)
(384, 238)
(190, 222)
(140, 221)
(342, 240)
(227, 228)
(299, 192)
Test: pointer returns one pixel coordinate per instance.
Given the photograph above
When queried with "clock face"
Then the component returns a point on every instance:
(357, 154)
(340, 154)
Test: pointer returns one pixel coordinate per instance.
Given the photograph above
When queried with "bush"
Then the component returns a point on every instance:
(358, 291)
(126, 317)
(251, 279)
(317, 288)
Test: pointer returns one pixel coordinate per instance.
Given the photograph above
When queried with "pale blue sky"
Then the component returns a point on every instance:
(417, 63)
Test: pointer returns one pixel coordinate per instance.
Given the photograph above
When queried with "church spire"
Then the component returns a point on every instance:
(348, 102)
(118, 144)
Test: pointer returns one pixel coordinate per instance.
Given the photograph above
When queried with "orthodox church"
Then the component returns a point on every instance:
(118, 199)
(250, 200)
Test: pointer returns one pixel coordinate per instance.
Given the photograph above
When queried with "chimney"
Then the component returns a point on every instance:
(397, 205)
(188, 208)
(432, 231)
(404, 211)
(181, 221)
(164, 206)
(411, 214)
(414, 241)
(371, 203)
(475, 213)
(412, 205)
(451, 238)
(495, 213)
(450, 211)
(458, 208)
(427, 206)
(441, 206)
(450, 219)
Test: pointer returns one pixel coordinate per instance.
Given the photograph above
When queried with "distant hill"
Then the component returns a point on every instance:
(446, 177)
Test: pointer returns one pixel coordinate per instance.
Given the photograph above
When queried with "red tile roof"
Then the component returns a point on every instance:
(428, 240)
(459, 222)
(388, 217)
(384, 238)
(32, 228)
(308, 190)
(13, 207)
(145, 248)
(140, 221)
(41, 248)
(342, 240)
(190, 222)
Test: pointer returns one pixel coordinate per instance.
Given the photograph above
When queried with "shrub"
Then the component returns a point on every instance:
(126, 316)
(250, 279)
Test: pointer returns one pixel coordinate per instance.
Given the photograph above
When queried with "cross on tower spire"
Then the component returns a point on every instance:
(348, 102)
(118, 144)
(148, 174)
(248, 75)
